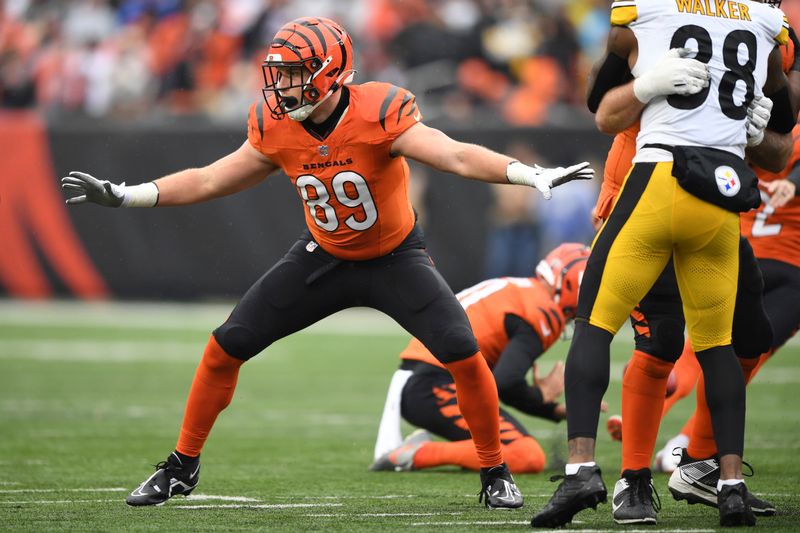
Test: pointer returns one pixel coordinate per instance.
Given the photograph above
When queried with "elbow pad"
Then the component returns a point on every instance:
(613, 73)
(783, 119)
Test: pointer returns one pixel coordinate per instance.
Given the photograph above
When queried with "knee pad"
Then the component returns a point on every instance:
(667, 340)
(239, 341)
(454, 344)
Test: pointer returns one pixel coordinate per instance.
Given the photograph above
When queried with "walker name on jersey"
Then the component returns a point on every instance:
(715, 8)
(328, 164)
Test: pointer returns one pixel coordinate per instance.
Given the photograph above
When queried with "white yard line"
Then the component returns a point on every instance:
(258, 506)
(103, 489)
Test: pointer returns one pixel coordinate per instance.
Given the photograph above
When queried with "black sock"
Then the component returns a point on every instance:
(186, 459)
(725, 396)
(586, 378)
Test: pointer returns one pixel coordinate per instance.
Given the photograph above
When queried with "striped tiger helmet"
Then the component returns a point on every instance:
(317, 56)
(562, 270)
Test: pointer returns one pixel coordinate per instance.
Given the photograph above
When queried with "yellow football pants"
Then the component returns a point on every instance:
(655, 219)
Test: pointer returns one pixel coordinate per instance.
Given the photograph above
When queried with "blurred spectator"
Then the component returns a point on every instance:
(493, 61)
(513, 243)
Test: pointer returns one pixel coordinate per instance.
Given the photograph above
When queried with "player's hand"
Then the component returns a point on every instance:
(780, 192)
(545, 179)
(552, 385)
(675, 73)
(91, 189)
(758, 113)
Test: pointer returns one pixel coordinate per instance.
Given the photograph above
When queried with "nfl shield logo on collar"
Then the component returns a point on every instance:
(727, 181)
(323, 150)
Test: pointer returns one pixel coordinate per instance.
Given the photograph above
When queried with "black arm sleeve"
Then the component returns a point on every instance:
(783, 119)
(613, 73)
(523, 348)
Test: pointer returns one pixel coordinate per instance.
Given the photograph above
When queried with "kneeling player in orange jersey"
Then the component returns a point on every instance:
(515, 321)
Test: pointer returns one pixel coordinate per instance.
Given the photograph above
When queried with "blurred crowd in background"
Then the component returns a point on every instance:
(496, 64)
(515, 62)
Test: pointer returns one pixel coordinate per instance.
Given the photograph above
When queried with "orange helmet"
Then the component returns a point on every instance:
(562, 269)
(317, 55)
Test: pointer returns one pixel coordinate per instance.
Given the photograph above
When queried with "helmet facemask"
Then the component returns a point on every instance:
(301, 75)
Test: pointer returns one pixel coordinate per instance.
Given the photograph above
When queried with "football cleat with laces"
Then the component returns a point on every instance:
(633, 501)
(574, 494)
(498, 490)
(733, 507)
(401, 459)
(172, 477)
(696, 482)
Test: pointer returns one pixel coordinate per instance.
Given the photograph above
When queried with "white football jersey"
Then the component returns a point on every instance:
(733, 37)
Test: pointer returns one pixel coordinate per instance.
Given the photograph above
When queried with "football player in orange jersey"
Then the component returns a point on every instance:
(515, 321)
(344, 148)
(652, 363)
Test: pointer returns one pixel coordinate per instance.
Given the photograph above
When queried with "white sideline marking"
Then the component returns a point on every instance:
(103, 489)
(206, 497)
(259, 506)
(43, 502)
(480, 523)
(527, 523)
(377, 515)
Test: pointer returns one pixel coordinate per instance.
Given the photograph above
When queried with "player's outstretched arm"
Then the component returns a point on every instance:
(235, 172)
(435, 149)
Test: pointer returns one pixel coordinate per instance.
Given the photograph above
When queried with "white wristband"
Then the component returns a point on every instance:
(518, 173)
(144, 195)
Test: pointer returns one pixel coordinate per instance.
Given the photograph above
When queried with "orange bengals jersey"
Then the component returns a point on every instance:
(775, 233)
(618, 163)
(354, 192)
(487, 305)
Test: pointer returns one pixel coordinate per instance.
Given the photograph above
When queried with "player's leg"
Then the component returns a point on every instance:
(429, 402)
(629, 253)
(707, 268)
(659, 341)
(279, 303)
(407, 287)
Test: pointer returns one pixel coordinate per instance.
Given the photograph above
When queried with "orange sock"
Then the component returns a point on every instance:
(688, 427)
(211, 392)
(643, 389)
(748, 367)
(686, 371)
(523, 456)
(701, 443)
(476, 393)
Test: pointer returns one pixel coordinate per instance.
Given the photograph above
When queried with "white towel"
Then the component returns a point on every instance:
(389, 435)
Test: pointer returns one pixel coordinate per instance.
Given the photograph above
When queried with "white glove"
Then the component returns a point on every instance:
(675, 73)
(758, 113)
(105, 193)
(545, 179)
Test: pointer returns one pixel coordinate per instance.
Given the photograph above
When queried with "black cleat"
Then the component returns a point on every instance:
(576, 493)
(733, 507)
(498, 490)
(696, 482)
(633, 501)
(172, 477)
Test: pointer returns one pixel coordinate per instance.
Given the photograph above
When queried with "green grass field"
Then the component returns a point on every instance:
(92, 396)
